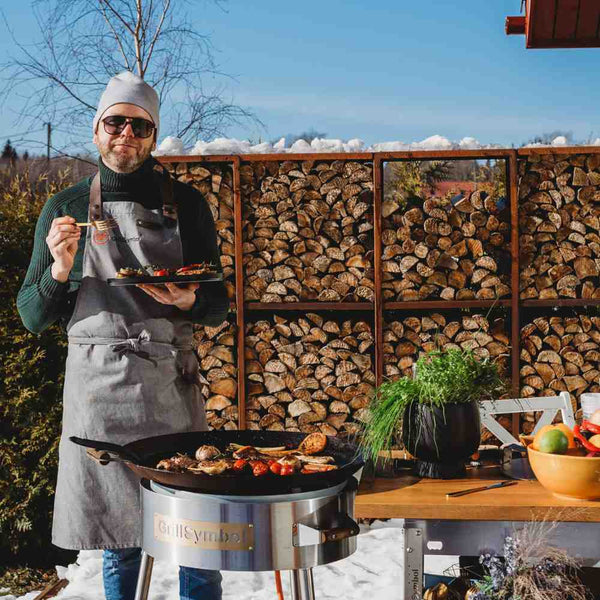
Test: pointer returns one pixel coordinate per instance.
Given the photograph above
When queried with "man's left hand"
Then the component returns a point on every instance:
(181, 296)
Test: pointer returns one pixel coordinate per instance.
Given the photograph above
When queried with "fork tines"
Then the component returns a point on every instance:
(104, 224)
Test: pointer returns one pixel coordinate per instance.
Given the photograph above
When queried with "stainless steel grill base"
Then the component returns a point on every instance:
(292, 532)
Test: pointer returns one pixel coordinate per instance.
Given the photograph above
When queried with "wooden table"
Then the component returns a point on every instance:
(476, 523)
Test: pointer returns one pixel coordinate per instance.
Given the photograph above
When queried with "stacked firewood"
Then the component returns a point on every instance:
(405, 340)
(308, 231)
(559, 226)
(560, 354)
(215, 347)
(215, 181)
(444, 249)
(308, 374)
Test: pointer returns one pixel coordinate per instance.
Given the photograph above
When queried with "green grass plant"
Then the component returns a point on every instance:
(442, 377)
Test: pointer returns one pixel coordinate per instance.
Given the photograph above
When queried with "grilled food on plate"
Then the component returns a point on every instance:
(260, 461)
(162, 271)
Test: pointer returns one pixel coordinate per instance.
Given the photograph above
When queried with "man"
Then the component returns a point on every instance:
(131, 370)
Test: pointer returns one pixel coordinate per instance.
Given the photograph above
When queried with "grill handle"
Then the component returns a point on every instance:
(100, 451)
(304, 535)
(347, 528)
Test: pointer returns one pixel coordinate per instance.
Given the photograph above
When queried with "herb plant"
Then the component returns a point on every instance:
(442, 377)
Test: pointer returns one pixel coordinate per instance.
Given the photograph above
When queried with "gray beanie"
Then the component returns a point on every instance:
(129, 88)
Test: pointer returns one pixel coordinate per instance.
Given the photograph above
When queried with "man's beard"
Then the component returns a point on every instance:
(126, 163)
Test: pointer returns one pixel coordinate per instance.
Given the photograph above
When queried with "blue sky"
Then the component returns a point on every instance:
(383, 71)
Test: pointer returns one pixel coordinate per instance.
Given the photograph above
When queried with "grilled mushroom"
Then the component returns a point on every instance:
(206, 452)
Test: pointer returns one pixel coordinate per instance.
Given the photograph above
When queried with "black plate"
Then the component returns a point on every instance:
(204, 277)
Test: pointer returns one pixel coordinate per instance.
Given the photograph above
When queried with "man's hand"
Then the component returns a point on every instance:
(183, 297)
(62, 240)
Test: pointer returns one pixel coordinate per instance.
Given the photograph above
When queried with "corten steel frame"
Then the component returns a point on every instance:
(377, 309)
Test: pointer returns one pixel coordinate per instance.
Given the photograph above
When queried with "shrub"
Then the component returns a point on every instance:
(31, 376)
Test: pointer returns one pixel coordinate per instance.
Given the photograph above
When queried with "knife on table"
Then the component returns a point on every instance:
(480, 489)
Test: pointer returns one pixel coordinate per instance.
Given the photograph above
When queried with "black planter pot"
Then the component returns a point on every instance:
(442, 439)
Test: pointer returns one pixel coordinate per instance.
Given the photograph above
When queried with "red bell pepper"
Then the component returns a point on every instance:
(589, 426)
(583, 441)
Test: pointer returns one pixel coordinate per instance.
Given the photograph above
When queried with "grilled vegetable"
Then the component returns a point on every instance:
(124, 272)
(207, 452)
(313, 443)
(259, 468)
(240, 464)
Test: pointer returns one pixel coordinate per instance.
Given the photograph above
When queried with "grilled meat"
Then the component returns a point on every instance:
(178, 463)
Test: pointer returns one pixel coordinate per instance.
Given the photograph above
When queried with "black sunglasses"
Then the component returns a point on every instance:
(115, 124)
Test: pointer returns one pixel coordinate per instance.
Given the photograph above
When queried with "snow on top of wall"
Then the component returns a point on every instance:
(172, 146)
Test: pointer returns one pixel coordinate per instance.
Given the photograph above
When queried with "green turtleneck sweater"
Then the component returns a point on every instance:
(42, 300)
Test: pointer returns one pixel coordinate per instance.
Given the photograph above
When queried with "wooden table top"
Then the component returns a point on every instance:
(409, 497)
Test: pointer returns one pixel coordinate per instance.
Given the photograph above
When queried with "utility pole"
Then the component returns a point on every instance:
(49, 132)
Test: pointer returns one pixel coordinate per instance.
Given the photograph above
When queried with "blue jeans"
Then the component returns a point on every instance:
(120, 570)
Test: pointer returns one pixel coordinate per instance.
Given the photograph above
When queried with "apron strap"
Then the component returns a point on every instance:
(95, 198)
(169, 207)
(133, 343)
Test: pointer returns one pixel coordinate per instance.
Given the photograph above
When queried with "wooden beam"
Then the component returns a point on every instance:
(588, 22)
(567, 16)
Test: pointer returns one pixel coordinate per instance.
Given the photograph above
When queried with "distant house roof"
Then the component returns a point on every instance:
(443, 187)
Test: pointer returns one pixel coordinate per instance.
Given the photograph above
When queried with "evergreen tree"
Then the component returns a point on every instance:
(9, 153)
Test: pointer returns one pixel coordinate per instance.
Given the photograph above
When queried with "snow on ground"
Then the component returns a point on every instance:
(174, 146)
(374, 571)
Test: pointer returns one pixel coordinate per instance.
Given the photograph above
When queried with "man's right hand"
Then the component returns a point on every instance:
(62, 240)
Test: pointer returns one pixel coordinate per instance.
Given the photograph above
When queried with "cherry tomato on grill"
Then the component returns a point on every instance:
(286, 470)
(275, 467)
(240, 464)
(259, 468)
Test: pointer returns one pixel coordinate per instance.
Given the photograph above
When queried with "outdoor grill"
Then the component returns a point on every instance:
(226, 523)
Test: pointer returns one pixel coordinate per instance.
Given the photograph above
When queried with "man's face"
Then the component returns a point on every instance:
(123, 152)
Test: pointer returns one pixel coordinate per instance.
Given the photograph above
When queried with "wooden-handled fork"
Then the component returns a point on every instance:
(101, 224)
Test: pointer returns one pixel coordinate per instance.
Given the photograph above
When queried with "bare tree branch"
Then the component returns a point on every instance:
(83, 43)
(116, 36)
(157, 32)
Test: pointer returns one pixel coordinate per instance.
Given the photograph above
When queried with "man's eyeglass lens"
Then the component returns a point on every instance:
(141, 127)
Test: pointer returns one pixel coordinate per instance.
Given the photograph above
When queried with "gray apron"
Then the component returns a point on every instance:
(131, 373)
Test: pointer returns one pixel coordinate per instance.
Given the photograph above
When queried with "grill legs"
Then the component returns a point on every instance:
(301, 581)
(302, 584)
(143, 582)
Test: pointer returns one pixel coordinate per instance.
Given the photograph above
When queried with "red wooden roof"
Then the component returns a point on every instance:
(558, 24)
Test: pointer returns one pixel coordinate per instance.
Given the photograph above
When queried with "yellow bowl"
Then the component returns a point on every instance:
(566, 475)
